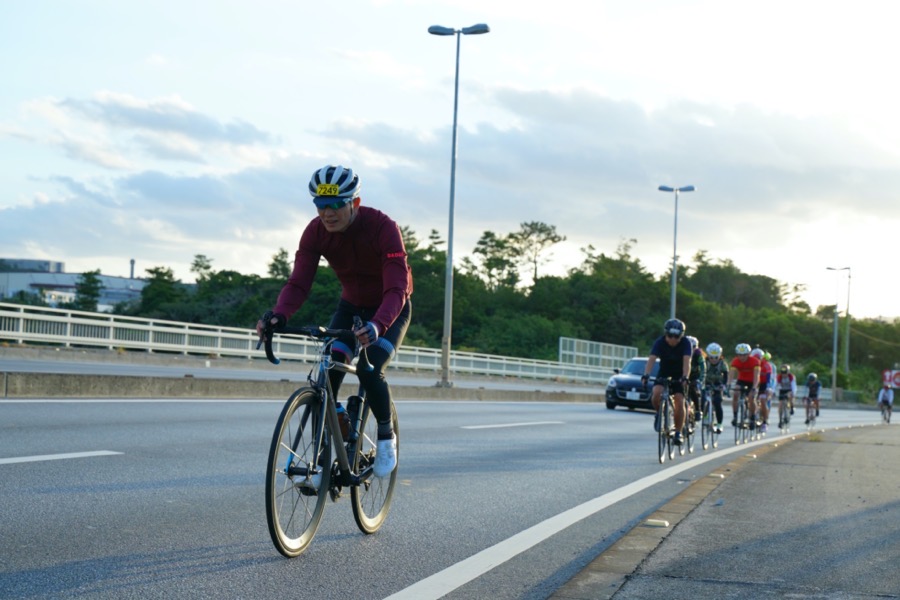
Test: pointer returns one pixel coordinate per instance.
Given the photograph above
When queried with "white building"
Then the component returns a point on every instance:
(49, 279)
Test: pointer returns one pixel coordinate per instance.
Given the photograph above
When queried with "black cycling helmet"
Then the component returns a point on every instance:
(674, 327)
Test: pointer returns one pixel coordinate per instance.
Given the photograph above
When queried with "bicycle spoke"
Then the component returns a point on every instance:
(293, 512)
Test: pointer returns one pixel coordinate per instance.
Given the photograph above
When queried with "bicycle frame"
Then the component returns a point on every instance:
(321, 384)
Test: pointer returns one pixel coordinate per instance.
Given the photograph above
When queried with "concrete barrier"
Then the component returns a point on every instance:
(15, 385)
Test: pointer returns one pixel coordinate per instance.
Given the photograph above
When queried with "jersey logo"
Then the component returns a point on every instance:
(396, 254)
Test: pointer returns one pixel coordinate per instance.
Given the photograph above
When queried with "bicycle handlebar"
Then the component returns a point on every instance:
(313, 331)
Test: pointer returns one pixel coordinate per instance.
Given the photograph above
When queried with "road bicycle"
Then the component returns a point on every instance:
(810, 412)
(784, 412)
(687, 430)
(665, 416)
(709, 436)
(309, 459)
(742, 428)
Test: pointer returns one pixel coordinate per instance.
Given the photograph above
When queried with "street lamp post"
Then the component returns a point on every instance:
(665, 188)
(448, 282)
(847, 335)
(834, 351)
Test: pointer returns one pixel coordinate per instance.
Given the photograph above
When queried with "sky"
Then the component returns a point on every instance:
(156, 131)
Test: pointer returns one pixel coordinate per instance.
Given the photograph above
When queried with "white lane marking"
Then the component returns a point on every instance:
(443, 582)
(498, 426)
(43, 457)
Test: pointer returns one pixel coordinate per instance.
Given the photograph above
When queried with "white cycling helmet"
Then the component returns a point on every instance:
(714, 350)
(742, 349)
(333, 185)
(757, 352)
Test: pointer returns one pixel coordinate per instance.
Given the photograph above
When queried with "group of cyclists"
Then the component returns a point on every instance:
(694, 372)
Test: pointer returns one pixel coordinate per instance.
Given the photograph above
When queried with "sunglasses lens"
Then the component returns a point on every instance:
(334, 206)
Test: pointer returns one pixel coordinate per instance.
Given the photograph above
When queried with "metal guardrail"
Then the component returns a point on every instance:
(23, 324)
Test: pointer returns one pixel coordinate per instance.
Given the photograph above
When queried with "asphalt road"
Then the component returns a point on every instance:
(501, 500)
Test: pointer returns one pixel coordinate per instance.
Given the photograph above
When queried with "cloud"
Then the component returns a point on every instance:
(171, 115)
(575, 159)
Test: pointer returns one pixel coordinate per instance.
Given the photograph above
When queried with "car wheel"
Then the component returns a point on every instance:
(610, 405)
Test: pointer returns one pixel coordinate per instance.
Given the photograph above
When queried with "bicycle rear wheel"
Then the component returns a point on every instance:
(706, 425)
(670, 428)
(372, 498)
(294, 505)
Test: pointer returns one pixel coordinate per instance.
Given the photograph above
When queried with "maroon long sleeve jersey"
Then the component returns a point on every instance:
(369, 259)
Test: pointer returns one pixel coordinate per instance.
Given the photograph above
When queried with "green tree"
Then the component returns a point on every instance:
(202, 266)
(497, 259)
(530, 242)
(87, 291)
(280, 267)
(27, 299)
(161, 294)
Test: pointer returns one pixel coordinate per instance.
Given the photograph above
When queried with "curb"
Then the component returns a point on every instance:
(14, 385)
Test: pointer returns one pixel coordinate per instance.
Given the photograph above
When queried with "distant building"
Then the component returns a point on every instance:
(49, 279)
(31, 265)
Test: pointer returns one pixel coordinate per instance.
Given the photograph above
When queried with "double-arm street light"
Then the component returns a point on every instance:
(665, 188)
(448, 285)
(847, 317)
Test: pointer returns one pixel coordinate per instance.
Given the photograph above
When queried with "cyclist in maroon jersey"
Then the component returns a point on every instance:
(365, 249)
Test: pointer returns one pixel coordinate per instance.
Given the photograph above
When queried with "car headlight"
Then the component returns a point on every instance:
(612, 383)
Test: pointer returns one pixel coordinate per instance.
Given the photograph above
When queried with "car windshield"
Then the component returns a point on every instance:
(635, 366)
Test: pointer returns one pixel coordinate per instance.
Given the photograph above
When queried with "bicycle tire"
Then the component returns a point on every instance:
(689, 433)
(663, 434)
(706, 429)
(293, 510)
(714, 435)
(784, 416)
(371, 499)
(670, 427)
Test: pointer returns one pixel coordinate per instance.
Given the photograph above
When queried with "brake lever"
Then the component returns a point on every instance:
(366, 366)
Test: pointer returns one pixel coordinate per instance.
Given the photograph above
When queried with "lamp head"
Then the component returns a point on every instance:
(441, 30)
(476, 29)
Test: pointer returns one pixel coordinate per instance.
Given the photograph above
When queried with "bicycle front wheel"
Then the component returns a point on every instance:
(739, 423)
(372, 498)
(663, 435)
(706, 421)
(690, 429)
(297, 477)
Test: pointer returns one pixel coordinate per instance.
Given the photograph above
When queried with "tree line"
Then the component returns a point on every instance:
(503, 305)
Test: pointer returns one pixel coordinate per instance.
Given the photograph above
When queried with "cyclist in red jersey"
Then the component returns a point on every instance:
(365, 249)
(744, 373)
